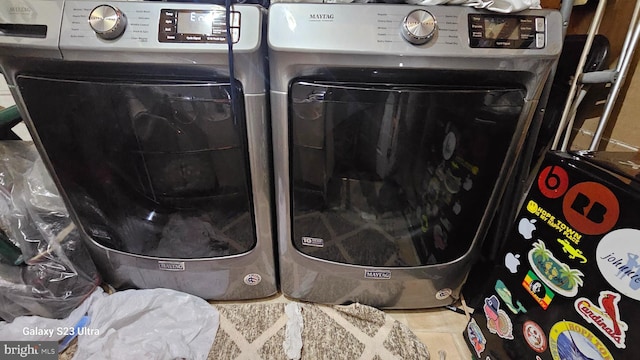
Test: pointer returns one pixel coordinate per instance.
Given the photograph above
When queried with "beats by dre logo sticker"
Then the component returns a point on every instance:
(589, 207)
(553, 182)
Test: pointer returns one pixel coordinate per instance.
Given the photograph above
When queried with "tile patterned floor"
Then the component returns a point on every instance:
(439, 329)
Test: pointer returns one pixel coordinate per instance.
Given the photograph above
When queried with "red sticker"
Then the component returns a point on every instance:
(591, 208)
(553, 181)
(534, 336)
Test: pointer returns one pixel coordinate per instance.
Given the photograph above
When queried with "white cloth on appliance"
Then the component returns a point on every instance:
(150, 324)
(37, 328)
(292, 343)
(502, 6)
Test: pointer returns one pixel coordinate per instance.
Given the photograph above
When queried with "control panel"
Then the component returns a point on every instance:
(171, 31)
(187, 26)
(507, 31)
(431, 31)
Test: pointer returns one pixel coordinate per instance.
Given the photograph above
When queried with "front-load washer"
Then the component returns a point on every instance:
(395, 128)
(152, 118)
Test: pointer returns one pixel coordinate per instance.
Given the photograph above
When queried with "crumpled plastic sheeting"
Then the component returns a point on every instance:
(59, 273)
(151, 324)
(36, 328)
(502, 6)
(292, 343)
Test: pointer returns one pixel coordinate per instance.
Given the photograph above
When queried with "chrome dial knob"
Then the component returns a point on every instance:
(419, 27)
(107, 21)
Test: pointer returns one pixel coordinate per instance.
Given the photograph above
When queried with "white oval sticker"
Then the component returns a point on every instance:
(618, 258)
(252, 279)
(443, 293)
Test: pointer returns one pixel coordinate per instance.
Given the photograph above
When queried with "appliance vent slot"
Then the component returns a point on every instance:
(23, 30)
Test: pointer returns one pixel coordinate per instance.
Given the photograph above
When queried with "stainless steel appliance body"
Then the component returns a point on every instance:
(395, 128)
(159, 146)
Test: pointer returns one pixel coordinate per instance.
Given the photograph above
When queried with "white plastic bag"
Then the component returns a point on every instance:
(149, 324)
(37, 328)
(502, 6)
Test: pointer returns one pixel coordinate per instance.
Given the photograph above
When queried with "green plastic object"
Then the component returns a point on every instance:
(9, 251)
(9, 115)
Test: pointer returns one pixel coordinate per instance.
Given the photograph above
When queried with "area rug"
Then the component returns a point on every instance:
(257, 331)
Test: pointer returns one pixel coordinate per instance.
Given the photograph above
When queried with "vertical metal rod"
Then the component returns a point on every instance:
(595, 24)
(622, 68)
(566, 8)
(572, 117)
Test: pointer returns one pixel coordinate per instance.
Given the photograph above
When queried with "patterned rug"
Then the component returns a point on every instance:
(258, 331)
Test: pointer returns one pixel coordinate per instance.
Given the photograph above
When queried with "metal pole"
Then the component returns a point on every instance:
(622, 68)
(595, 24)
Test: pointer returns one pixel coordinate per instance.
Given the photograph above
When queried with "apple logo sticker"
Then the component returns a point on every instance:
(457, 208)
(526, 228)
(512, 262)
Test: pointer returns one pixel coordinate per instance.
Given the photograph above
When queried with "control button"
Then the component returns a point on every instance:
(168, 13)
(418, 27)
(235, 19)
(166, 37)
(107, 21)
(540, 24)
(476, 34)
(169, 29)
(539, 41)
(235, 35)
(169, 21)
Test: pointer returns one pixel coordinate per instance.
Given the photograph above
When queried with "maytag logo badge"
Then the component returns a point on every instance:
(171, 265)
(377, 274)
(321, 17)
(20, 10)
(311, 241)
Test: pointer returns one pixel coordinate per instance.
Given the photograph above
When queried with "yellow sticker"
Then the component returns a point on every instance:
(566, 339)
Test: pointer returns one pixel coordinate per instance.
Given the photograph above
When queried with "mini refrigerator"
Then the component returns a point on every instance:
(567, 281)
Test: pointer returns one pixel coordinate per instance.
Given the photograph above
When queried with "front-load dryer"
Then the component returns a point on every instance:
(156, 134)
(395, 128)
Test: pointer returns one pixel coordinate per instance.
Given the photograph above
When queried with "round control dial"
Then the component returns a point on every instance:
(419, 27)
(107, 21)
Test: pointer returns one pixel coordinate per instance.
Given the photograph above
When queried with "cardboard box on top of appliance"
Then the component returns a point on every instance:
(567, 282)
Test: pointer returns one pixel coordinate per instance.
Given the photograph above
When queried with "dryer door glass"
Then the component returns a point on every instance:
(157, 169)
(394, 175)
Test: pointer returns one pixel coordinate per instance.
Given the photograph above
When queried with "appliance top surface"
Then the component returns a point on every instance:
(412, 30)
(69, 27)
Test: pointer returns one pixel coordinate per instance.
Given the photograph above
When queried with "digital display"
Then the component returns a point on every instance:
(197, 22)
(506, 28)
(194, 26)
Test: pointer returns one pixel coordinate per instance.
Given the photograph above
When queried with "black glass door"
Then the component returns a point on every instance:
(158, 169)
(394, 175)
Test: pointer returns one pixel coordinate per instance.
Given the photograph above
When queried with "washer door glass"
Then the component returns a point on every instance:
(395, 175)
(150, 169)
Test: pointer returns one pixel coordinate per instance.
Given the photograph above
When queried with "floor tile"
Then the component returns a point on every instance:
(437, 341)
